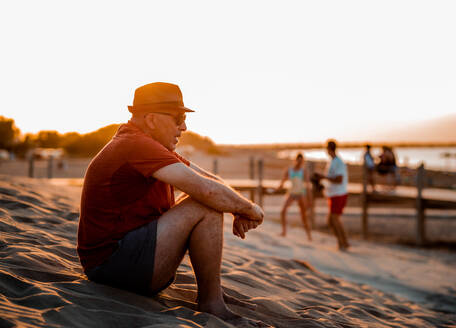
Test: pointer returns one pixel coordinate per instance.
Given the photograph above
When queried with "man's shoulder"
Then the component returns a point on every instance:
(132, 146)
(338, 164)
(335, 161)
(338, 160)
(128, 135)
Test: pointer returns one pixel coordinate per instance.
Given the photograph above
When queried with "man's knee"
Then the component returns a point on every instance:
(335, 218)
(196, 206)
(215, 217)
(202, 211)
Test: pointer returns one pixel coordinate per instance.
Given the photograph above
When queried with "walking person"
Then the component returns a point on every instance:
(299, 191)
(336, 192)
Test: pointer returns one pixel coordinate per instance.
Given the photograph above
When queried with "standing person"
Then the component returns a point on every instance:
(299, 191)
(132, 233)
(370, 166)
(337, 176)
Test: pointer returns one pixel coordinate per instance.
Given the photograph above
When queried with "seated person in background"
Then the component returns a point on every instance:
(299, 191)
(387, 165)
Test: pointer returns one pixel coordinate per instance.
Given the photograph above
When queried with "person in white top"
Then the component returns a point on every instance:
(336, 192)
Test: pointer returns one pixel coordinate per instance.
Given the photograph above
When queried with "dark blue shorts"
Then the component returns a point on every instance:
(131, 265)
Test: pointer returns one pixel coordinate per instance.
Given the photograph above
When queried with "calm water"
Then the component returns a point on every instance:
(433, 158)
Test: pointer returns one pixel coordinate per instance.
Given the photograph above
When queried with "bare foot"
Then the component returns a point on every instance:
(283, 234)
(230, 300)
(343, 248)
(221, 311)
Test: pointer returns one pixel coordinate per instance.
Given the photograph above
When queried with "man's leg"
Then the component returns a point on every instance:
(191, 225)
(341, 235)
(333, 227)
(330, 220)
(205, 250)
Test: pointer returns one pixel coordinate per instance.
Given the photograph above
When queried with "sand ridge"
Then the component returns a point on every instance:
(42, 284)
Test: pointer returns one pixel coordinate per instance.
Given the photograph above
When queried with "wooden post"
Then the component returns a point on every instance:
(420, 218)
(311, 169)
(260, 182)
(50, 166)
(252, 176)
(215, 166)
(364, 203)
(31, 165)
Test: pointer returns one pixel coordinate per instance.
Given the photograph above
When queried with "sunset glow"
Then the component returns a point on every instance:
(255, 72)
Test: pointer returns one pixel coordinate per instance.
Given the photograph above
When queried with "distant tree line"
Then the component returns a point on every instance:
(75, 144)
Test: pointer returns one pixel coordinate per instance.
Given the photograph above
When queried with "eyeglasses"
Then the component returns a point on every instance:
(179, 119)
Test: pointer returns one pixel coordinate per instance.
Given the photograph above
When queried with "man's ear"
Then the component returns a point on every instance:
(151, 120)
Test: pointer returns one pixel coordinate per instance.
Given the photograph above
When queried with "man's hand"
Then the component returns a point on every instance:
(241, 225)
(256, 214)
(319, 175)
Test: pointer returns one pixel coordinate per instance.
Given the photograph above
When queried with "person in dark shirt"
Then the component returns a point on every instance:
(387, 166)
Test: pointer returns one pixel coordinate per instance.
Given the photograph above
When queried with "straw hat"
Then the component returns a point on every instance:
(158, 97)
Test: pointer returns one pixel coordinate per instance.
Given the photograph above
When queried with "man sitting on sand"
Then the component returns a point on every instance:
(337, 193)
(132, 233)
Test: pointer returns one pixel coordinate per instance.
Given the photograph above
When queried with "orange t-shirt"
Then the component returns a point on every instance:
(120, 194)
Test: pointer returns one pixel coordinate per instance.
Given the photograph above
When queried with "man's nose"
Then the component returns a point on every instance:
(183, 126)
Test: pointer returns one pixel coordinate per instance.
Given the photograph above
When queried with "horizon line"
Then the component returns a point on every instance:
(342, 144)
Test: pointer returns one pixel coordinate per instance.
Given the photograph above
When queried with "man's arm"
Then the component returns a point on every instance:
(336, 179)
(205, 173)
(337, 174)
(208, 191)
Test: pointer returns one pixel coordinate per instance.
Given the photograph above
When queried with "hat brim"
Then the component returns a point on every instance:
(157, 108)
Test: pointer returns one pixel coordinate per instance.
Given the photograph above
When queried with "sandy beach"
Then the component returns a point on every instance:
(292, 282)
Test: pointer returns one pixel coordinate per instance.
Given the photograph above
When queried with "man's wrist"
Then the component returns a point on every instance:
(249, 209)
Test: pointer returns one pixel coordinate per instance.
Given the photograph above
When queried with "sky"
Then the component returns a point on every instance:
(254, 71)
